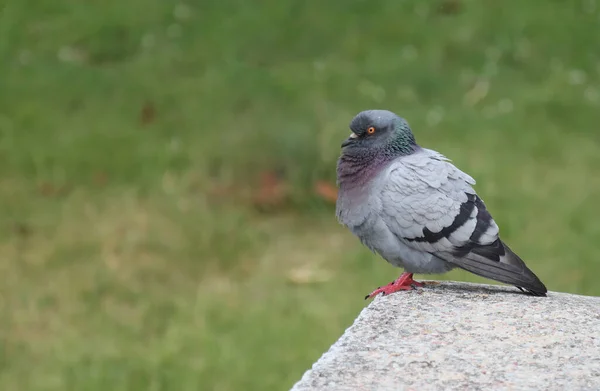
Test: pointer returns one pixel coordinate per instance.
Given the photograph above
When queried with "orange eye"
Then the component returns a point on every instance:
(371, 130)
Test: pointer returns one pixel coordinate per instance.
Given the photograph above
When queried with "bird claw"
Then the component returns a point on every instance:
(404, 283)
(386, 290)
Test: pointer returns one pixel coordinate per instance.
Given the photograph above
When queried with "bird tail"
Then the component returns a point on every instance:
(498, 262)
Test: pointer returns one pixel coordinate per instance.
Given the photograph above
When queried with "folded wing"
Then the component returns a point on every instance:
(431, 206)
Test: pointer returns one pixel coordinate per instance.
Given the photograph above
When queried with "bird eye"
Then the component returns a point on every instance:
(371, 130)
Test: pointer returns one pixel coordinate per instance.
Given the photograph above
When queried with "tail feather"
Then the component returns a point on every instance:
(497, 262)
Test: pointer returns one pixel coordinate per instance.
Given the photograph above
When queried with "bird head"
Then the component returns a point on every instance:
(379, 130)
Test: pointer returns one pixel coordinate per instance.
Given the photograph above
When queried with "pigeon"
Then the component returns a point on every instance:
(417, 210)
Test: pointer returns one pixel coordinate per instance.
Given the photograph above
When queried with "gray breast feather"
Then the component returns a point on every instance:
(430, 205)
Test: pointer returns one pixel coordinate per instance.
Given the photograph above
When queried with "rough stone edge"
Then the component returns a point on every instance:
(472, 286)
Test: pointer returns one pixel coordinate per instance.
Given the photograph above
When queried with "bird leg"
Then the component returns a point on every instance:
(403, 283)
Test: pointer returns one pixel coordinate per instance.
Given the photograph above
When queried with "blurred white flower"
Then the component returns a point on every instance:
(174, 31)
(372, 90)
(493, 53)
(409, 53)
(148, 41)
(25, 57)
(577, 76)
(589, 6)
(435, 116)
(505, 106)
(490, 69)
(592, 94)
(71, 55)
(556, 65)
(182, 11)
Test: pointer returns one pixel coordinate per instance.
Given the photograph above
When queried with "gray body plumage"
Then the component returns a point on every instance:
(413, 207)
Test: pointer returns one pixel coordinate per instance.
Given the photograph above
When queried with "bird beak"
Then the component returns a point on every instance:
(349, 140)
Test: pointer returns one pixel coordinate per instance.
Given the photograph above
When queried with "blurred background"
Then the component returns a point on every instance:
(167, 172)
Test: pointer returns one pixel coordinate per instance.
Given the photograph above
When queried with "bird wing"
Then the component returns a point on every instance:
(431, 206)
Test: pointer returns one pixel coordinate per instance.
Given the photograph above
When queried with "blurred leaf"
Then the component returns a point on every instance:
(477, 93)
(100, 179)
(306, 275)
(21, 229)
(272, 193)
(147, 114)
(326, 191)
(450, 7)
(48, 189)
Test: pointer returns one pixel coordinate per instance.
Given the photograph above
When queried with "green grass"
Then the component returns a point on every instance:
(133, 135)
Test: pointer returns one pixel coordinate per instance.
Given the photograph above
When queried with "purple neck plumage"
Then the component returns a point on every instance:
(358, 169)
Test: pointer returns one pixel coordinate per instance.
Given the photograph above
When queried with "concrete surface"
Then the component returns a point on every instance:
(457, 336)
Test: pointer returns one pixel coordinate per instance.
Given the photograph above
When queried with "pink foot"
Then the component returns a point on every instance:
(404, 283)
